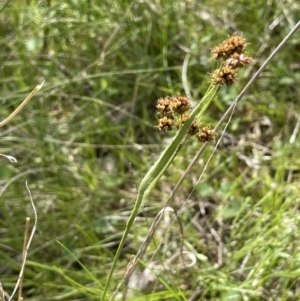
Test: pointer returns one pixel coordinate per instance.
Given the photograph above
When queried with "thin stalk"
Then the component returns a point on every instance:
(26, 234)
(22, 105)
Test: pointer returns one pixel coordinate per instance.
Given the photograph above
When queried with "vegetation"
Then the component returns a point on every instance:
(87, 139)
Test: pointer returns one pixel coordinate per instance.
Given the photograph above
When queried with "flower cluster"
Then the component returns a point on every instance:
(232, 51)
(206, 134)
(172, 113)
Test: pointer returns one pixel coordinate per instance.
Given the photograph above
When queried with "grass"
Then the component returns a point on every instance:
(87, 139)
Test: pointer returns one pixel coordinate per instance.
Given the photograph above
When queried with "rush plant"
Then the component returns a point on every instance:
(173, 114)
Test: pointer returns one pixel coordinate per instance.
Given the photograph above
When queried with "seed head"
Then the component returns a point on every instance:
(165, 124)
(175, 104)
(164, 106)
(238, 61)
(180, 104)
(234, 44)
(225, 76)
(206, 134)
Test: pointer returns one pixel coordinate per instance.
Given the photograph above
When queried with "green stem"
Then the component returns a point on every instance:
(157, 170)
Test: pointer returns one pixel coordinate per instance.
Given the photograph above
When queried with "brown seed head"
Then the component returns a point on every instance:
(169, 105)
(227, 48)
(180, 104)
(164, 106)
(194, 129)
(238, 61)
(225, 76)
(206, 134)
(165, 124)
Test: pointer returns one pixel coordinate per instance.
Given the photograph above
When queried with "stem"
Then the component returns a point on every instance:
(22, 105)
(156, 171)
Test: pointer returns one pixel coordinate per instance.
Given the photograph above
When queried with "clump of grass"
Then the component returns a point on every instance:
(27, 238)
(87, 141)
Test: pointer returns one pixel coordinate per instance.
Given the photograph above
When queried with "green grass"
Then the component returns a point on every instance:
(85, 142)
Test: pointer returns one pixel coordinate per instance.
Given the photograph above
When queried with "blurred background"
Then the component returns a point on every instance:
(86, 140)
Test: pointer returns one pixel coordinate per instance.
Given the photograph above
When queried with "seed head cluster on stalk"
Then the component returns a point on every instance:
(173, 111)
(232, 51)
